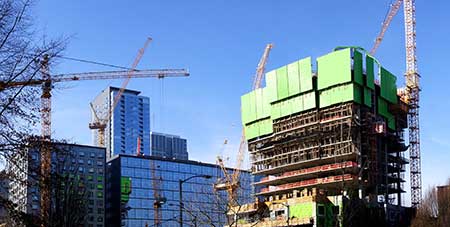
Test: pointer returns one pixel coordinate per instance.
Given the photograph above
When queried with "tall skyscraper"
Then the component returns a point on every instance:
(128, 125)
(169, 146)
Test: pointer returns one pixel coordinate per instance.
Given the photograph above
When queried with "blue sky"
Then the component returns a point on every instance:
(220, 42)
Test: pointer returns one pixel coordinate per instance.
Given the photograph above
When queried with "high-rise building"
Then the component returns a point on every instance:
(77, 169)
(336, 132)
(4, 188)
(129, 123)
(131, 195)
(169, 146)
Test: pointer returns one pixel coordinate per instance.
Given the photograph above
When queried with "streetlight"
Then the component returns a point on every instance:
(180, 182)
(287, 212)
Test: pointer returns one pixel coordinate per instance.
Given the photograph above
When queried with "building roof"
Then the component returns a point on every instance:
(126, 90)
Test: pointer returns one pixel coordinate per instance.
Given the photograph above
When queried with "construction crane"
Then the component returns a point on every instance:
(159, 198)
(230, 183)
(47, 80)
(384, 26)
(412, 91)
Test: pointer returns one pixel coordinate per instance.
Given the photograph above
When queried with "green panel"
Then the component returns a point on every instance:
(334, 68)
(252, 130)
(367, 97)
(301, 210)
(285, 108)
(388, 86)
(297, 104)
(309, 101)
(305, 70)
(248, 107)
(340, 94)
(293, 79)
(383, 109)
(370, 75)
(271, 85)
(282, 83)
(266, 103)
(275, 111)
(357, 68)
(265, 127)
(391, 122)
(357, 94)
(259, 103)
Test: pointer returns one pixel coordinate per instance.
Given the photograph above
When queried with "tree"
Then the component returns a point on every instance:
(435, 208)
(20, 54)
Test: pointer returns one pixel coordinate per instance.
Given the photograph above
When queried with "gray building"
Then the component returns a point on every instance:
(130, 197)
(78, 169)
(169, 146)
(4, 188)
(129, 123)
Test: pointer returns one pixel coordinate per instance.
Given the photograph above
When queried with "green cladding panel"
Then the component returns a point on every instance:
(285, 108)
(305, 70)
(357, 68)
(282, 83)
(383, 109)
(265, 127)
(334, 68)
(275, 111)
(248, 107)
(297, 104)
(340, 94)
(367, 97)
(293, 78)
(370, 75)
(309, 101)
(388, 86)
(302, 210)
(271, 86)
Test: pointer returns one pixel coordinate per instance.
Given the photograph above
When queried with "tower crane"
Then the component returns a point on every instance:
(412, 91)
(47, 80)
(230, 183)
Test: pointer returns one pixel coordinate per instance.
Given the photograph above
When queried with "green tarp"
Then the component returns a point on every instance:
(271, 86)
(367, 97)
(305, 69)
(293, 79)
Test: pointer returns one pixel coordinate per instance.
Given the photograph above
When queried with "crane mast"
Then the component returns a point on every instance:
(412, 92)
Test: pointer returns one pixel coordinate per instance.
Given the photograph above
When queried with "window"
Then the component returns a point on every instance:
(81, 154)
(80, 161)
(89, 162)
(99, 194)
(320, 210)
(92, 155)
(91, 170)
(99, 178)
(99, 163)
(81, 169)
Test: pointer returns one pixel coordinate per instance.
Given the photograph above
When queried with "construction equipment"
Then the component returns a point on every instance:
(230, 183)
(384, 26)
(47, 80)
(412, 90)
(159, 198)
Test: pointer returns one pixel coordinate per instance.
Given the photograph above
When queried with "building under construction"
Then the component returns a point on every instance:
(325, 138)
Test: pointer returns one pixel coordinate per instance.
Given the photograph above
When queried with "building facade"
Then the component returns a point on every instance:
(169, 146)
(78, 169)
(130, 198)
(128, 125)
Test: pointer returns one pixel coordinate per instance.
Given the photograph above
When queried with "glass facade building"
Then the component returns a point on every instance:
(133, 205)
(129, 123)
(79, 165)
(169, 146)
